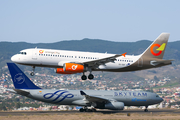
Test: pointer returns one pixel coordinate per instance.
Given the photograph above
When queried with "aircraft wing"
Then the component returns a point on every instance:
(93, 98)
(96, 63)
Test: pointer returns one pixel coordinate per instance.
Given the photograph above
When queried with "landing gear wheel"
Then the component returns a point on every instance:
(83, 77)
(145, 110)
(88, 110)
(93, 110)
(90, 76)
(32, 73)
(81, 110)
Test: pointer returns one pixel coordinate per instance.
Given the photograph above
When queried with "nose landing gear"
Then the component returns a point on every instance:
(146, 110)
(32, 73)
(33, 69)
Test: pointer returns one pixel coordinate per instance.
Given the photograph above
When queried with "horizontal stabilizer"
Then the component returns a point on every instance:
(154, 62)
(22, 92)
(19, 91)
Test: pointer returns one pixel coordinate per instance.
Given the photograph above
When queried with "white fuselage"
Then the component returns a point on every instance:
(56, 58)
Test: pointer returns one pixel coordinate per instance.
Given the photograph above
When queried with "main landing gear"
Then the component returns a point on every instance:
(90, 76)
(146, 110)
(85, 109)
(33, 69)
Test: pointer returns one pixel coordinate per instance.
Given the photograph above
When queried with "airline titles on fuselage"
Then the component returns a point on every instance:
(57, 54)
(134, 94)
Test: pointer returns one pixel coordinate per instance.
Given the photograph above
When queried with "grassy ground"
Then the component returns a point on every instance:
(167, 85)
(95, 116)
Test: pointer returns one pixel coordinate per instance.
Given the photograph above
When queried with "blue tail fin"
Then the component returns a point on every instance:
(20, 80)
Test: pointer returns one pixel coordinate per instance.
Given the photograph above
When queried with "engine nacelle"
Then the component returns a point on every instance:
(61, 71)
(114, 105)
(73, 68)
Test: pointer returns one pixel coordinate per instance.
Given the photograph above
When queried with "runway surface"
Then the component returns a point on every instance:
(135, 111)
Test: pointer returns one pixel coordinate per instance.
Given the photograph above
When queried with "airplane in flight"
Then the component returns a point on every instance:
(72, 62)
(101, 99)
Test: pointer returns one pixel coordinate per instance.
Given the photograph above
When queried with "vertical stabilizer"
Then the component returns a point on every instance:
(20, 80)
(157, 48)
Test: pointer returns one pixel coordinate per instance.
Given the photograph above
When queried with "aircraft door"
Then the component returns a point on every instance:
(34, 54)
(140, 62)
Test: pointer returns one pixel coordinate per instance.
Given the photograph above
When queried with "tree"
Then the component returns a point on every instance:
(18, 105)
(155, 78)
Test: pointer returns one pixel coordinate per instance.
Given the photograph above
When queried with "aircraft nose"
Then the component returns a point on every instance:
(14, 58)
(161, 100)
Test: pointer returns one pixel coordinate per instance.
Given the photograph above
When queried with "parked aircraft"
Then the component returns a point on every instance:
(71, 62)
(114, 100)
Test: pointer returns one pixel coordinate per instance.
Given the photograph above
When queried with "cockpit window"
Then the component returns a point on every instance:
(157, 95)
(23, 53)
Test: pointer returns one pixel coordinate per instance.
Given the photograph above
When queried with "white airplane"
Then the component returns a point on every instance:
(71, 62)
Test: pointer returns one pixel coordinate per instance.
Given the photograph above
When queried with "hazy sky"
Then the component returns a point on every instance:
(47, 21)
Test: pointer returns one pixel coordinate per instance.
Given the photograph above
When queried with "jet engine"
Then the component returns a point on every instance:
(61, 71)
(73, 68)
(70, 68)
(114, 105)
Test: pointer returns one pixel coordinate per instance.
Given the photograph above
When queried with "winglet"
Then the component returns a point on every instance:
(82, 93)
(124, 54)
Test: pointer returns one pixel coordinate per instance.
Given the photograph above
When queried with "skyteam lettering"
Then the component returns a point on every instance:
(58, 96)
(135, 94)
